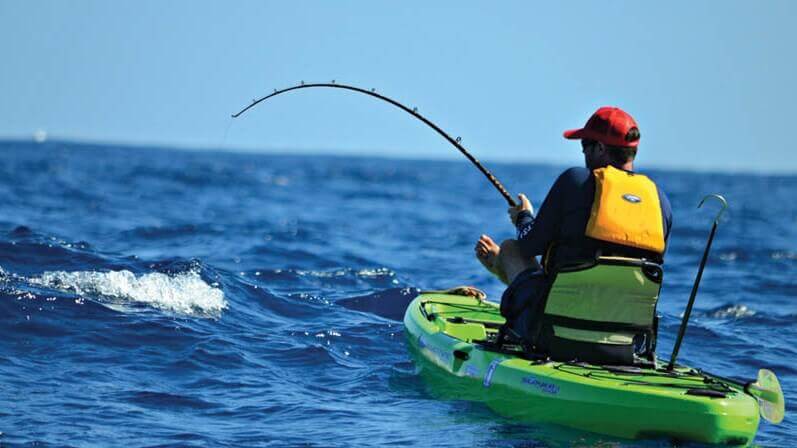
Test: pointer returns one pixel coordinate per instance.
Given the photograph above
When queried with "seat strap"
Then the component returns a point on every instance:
(592, 325)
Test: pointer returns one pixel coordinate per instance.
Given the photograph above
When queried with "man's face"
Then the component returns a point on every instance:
(593, 154)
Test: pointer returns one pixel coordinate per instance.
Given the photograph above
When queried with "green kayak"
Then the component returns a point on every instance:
(449, 337)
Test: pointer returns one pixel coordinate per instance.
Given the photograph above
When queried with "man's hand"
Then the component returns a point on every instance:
(524, 204)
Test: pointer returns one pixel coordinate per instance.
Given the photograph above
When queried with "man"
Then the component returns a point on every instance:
(564, 231)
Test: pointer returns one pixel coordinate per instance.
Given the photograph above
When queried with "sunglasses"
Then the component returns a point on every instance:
(588, 144)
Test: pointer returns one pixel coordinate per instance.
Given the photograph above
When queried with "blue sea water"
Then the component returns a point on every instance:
(154, 297)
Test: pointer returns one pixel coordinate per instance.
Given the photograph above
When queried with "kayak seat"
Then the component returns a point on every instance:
(603, 312)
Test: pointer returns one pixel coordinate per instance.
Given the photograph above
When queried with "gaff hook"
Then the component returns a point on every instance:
(719, 198)
(688, 312)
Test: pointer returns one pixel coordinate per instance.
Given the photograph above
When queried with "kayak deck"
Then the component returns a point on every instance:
(449, 336)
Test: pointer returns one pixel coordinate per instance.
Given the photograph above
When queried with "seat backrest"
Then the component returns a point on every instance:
(603, 307)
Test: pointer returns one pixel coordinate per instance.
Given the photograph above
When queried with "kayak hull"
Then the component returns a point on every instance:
(443, 333)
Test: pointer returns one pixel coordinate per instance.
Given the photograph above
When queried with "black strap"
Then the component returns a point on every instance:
(601, 248)
(594, 325)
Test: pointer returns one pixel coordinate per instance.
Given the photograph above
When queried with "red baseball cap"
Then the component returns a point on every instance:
(608, 125)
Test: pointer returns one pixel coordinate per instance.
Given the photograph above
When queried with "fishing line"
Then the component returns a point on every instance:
(414, 112)
(226, 131)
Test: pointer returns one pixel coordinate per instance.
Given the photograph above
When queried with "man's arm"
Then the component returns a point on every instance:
(666, 215)
(535, 234)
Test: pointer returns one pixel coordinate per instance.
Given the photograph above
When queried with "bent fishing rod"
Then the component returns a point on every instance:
(414, 112)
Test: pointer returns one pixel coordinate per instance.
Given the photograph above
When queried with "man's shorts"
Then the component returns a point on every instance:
(521, 300)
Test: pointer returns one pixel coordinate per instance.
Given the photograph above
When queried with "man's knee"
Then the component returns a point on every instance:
(512, 260)
(510, 248)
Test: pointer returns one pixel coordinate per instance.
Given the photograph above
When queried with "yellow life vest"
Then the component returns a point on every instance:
(626, 210)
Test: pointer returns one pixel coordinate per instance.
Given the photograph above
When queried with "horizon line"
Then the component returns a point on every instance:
(393, 154)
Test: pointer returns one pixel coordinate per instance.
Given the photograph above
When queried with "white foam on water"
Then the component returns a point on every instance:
(733, 311)
(783, 255)
(184, 293)
(363, 273)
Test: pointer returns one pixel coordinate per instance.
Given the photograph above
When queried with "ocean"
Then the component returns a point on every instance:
(162, 297)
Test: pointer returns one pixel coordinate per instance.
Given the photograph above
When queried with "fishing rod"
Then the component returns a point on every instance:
(414, 112)
(699, 276)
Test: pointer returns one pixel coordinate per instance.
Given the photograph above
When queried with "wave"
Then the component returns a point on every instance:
(182, 293)
(390, 303)
(733, 311)
(727, 311)
(783, 255)
(380, 272)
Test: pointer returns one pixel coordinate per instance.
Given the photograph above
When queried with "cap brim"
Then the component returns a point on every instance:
(574, 134)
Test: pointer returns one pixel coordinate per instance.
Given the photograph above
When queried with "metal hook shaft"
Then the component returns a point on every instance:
(688, 312)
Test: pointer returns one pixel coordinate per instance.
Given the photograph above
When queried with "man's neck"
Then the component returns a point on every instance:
(628, 166)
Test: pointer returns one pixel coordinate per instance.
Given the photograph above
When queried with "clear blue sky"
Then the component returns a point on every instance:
(711, 83)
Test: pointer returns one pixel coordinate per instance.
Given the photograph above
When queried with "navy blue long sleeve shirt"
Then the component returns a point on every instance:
(562, 219)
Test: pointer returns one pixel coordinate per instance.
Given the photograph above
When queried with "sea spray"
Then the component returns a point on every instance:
(183, 293)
